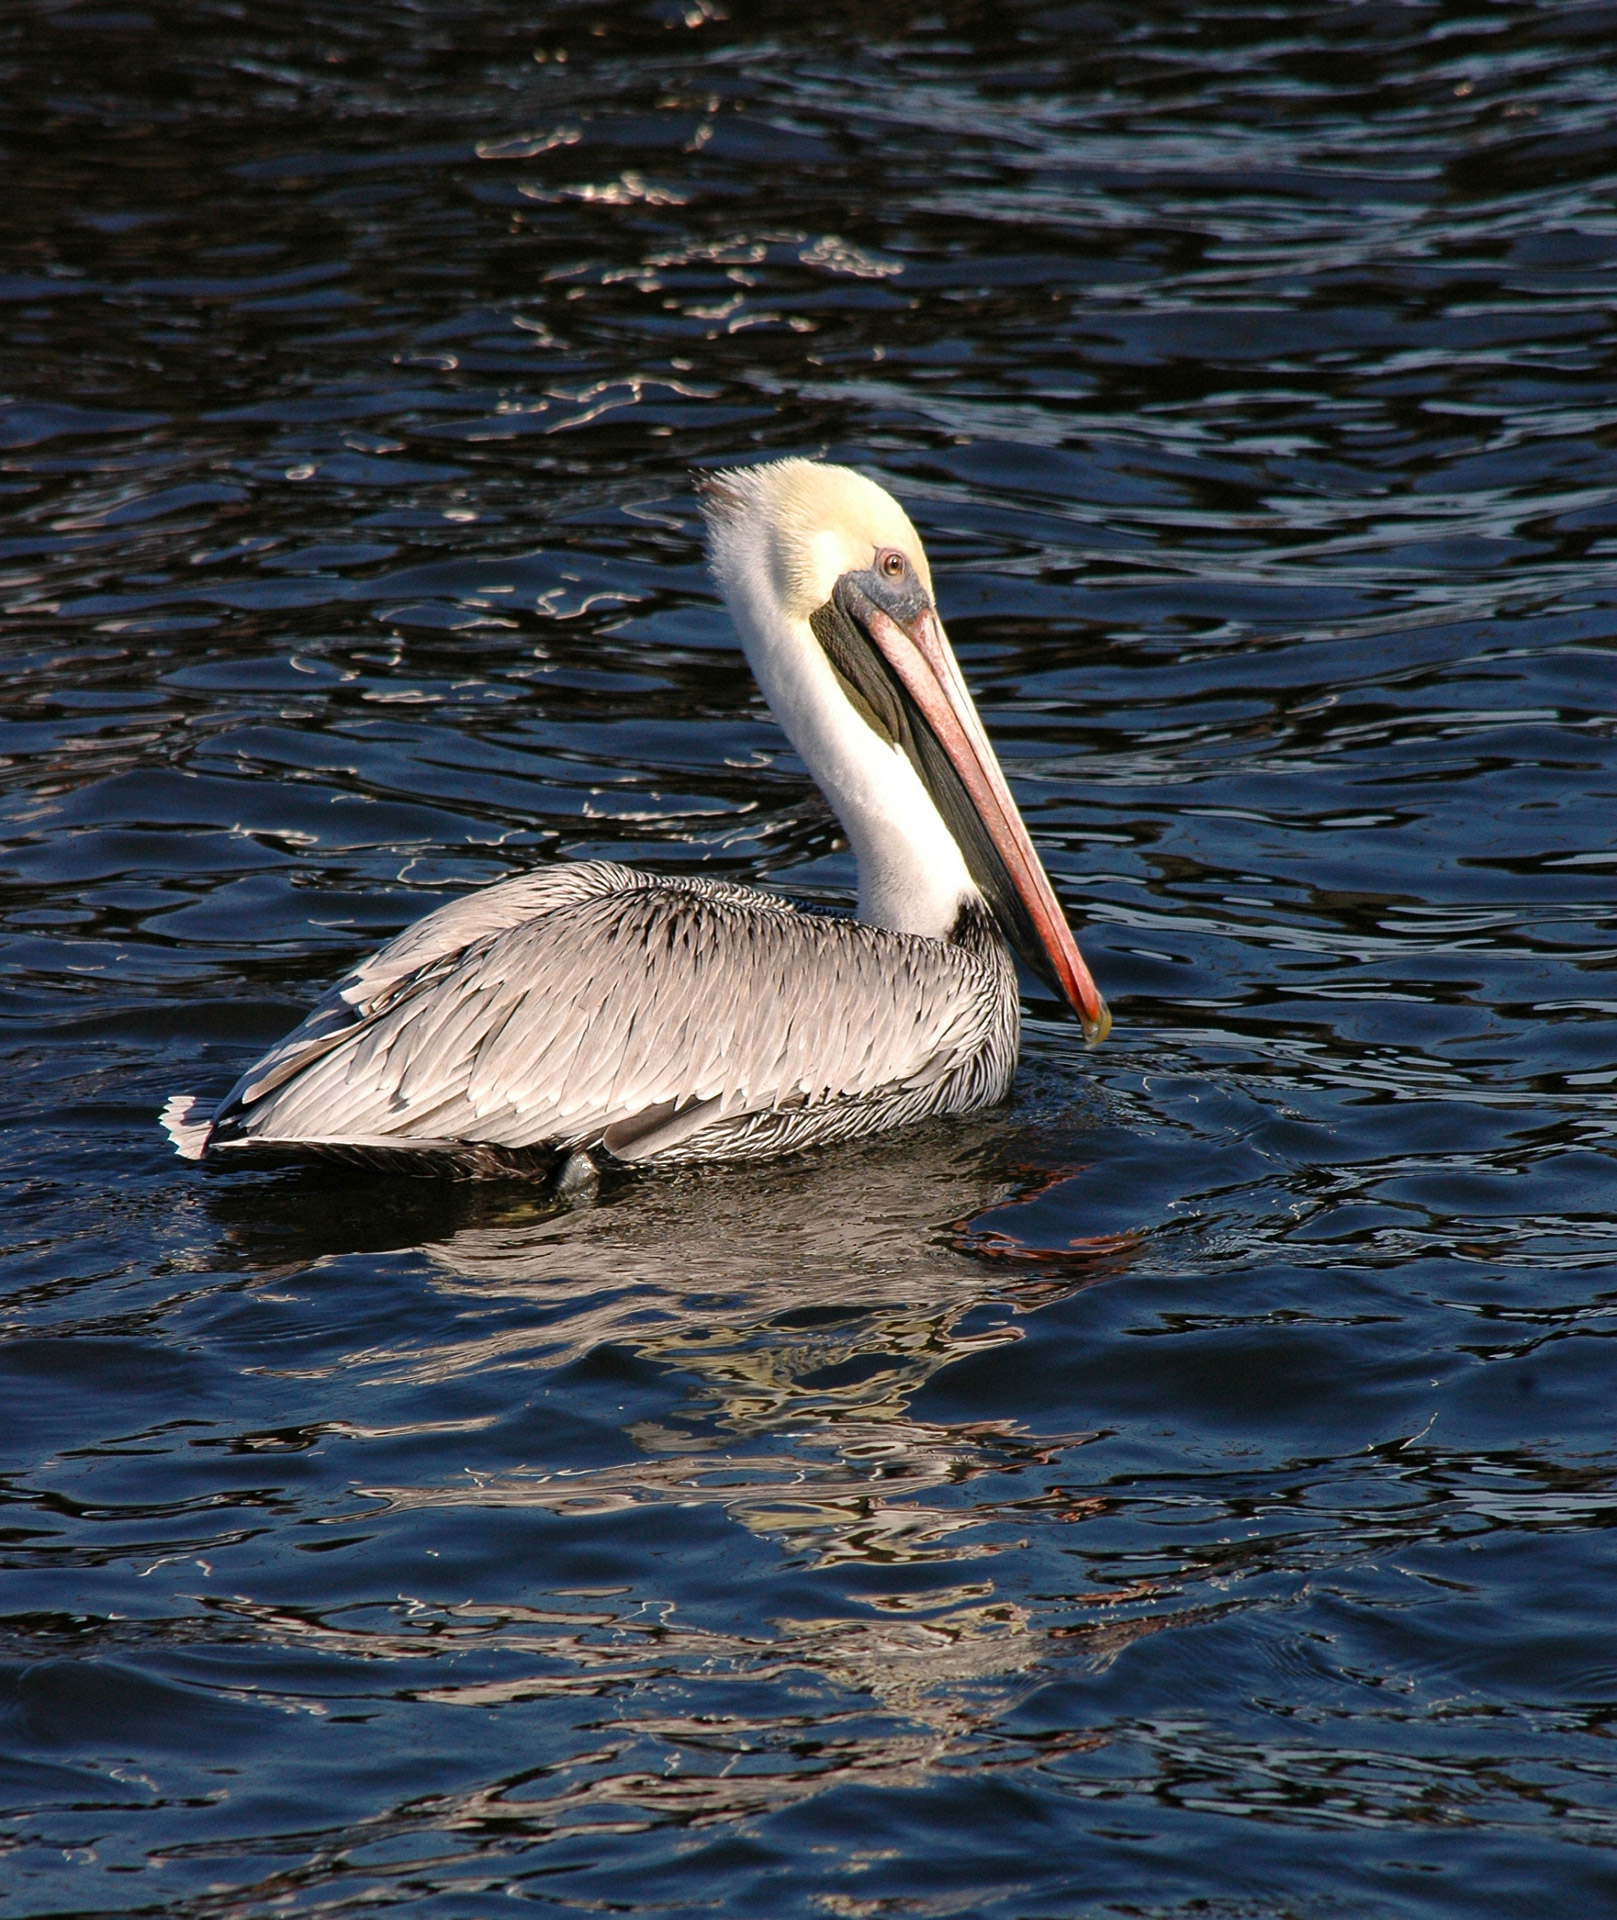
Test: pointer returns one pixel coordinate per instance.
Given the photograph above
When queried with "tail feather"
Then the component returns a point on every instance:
(188, 1121)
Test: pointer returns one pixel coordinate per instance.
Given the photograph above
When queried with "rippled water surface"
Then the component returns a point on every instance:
(1188, 1490)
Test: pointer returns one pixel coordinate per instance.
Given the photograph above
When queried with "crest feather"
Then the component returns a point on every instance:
(805, 524)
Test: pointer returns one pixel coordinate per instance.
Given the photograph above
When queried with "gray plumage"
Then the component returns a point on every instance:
(593, 1007)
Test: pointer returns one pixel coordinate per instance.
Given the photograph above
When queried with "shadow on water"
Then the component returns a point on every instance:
(797, 1308)
(823, 1288)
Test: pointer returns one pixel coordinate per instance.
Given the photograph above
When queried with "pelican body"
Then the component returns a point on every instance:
(591, 1010)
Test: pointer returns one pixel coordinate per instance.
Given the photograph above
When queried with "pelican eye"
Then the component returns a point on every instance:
(893, 564)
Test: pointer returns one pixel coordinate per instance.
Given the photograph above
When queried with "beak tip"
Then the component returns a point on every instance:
(1096, 1025)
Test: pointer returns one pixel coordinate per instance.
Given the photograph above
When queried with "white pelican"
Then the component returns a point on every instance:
(591, 1010)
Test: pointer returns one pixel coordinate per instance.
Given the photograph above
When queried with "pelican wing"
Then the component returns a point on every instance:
(450, 930)
(596, 1004)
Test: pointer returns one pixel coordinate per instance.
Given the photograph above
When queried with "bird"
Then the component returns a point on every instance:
(588, 1014)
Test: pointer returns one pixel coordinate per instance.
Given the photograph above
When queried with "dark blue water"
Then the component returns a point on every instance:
(1187, 1491)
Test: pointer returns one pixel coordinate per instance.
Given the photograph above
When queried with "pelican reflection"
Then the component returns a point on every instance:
(808, 1304)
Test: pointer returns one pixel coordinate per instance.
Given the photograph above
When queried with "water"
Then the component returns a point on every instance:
(1186, 1491)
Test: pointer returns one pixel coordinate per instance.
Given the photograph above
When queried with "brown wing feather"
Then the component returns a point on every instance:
(593, 998)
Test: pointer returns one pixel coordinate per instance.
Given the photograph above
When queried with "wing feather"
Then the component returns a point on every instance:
(607, 1003)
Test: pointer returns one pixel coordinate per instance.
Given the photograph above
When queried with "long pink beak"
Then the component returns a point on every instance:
(924, 664)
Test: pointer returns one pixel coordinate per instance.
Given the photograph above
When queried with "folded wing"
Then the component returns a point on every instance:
(592, 1005)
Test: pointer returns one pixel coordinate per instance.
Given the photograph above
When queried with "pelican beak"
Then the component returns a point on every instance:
(952, 754)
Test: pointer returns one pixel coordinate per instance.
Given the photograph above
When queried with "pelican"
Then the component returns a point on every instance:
(590, 1013)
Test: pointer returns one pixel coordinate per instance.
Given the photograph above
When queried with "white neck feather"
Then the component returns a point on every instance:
(912, 876)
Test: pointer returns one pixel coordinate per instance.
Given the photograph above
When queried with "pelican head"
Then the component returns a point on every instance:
(830, 591)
